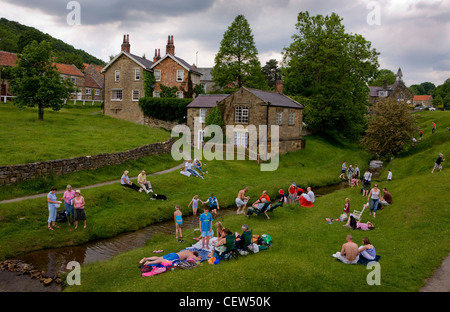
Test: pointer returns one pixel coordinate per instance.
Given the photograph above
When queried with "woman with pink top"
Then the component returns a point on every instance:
(78, 203)
(68, 197)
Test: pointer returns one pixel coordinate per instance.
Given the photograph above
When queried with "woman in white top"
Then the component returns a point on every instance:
(374, 197)
(367, 178)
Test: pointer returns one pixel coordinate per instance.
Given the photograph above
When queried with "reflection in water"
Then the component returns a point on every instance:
(54, 261)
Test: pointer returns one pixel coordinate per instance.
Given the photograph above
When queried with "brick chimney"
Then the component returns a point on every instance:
(170, 47)
(126, 43)
(279, 86)
(157, 56)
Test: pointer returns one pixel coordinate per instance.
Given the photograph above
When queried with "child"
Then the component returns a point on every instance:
(347, 206)
(205, 223)
(194, 203)
(177, 215)
(220, 233)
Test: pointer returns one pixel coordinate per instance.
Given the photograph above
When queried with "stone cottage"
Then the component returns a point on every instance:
(252, 107)
(124, 79)
(397, 91)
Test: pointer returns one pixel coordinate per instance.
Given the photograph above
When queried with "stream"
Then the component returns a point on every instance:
(54, 260)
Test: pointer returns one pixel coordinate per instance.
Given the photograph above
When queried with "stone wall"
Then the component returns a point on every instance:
(19, 173)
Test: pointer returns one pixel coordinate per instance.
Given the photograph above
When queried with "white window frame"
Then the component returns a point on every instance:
(279, 118)
(97, 92)
(180, 94)
(137, 74)
(115, 93)
(240, 138)
(117, 75)
(157, 74)
(202, 115)
(200, 138)
(88, 91)
(241, 115)
(156, 94)
(180, 75)
(291, 119)
(133, 97)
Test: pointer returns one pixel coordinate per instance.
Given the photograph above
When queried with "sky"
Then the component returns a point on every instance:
(413, 35)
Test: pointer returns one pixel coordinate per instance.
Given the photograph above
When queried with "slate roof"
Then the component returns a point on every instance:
(207, 100)
(275, 98)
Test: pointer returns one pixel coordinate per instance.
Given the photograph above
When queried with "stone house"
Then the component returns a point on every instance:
(397, 91)
(94, 80)
(251, 107)
(422, 100)
(7, 59)
(124, 79)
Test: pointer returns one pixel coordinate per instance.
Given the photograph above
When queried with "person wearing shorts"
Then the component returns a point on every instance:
(78, 203)
(205, 223)
(182, 255)
(242, 200)
(438, 163)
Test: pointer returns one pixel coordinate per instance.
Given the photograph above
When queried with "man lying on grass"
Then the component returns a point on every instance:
(182, 255)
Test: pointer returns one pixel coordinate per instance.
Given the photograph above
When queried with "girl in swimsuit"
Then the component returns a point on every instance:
(178, 221)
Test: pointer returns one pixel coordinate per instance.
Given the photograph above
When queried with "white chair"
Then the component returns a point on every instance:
(357, 214)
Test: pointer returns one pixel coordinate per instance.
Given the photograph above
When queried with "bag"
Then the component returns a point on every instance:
(267, 239)
(61, 216)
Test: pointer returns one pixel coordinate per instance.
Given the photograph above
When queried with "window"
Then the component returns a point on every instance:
(291, 118)
(180, 75)
(137, 74)
(97, 92)
(201, 136)
(202, 115)
(203, 86)
(194, 79)
(74, 80)
(279, 120)
(382, 93)
(157, 74)
(401, 97)
(156, 94)
(241, 114)
(241, 138)
(117, 75)
(135, 95)
(88, 91)
(116, 95)
(180, 94)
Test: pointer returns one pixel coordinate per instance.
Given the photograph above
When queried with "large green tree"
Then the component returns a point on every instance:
(35, 81)
(382, 77)
(332, 68)
(237, 59)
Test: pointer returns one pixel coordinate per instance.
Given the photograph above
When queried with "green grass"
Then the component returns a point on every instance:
(412, 235)
(71, 132)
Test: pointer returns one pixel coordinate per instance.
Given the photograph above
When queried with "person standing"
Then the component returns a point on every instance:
(142, 181)
(389, 177)
(178, 218)
(205, 224)
(433, 127)
(357, 173)
(242, 200)
(68, 197)
(78, 203)
(438, 163)
(213, 204)
(366, 182)
(343, 169)
(52, 206)
(374, 197)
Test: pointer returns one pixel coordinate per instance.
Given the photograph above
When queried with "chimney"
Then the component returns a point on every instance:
(157, 56)
(279, 86)
(170, 47)
(126, 43)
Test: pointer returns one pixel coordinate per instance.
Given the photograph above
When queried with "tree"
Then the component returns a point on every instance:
(442, 91)
(237, 59)
(36, 81)
(390, 128)
(383, 76)
(424, 88)
(271, 72)
(332, 69)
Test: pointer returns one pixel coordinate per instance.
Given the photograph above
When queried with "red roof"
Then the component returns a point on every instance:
(422, 97)
(96, 67)
(70, 70)
(90, 82)
(8, 58)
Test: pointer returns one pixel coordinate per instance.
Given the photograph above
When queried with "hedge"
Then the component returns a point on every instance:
(167, 109)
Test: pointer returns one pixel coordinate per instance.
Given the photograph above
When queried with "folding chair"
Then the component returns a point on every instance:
(357, 214)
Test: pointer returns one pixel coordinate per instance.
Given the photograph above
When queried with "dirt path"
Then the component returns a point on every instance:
(88, 187)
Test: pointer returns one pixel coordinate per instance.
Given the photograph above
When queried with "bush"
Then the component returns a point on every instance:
(167, 109)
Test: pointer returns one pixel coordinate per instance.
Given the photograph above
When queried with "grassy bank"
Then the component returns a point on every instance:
(71, 132)
(112, 210)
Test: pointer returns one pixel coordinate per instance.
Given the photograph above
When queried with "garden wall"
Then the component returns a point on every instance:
(19, 173)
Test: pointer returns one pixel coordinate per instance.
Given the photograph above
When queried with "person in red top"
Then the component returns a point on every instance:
(292, 194)
(264, 195)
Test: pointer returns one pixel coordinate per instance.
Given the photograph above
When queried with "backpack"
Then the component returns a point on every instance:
(267, 239)
(61, 216)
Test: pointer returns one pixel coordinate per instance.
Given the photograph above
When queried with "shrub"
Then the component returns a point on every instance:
(167, 109)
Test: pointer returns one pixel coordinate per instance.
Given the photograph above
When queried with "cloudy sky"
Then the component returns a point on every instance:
(411, 34)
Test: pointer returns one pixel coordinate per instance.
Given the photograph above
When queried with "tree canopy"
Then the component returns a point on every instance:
(383, 76)
(237, 59)
(36, 81)
(332, 68)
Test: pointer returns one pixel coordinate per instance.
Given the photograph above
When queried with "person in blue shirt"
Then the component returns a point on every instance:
(213, 204)
(205, 223)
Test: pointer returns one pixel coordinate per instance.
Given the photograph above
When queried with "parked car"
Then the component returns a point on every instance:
(432, 109)
(419, 107)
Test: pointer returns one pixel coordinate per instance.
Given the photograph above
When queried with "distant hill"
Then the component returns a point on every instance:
(15, 36)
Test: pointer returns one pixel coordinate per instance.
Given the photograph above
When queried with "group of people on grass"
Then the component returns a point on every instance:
(144, 184)
(190, 168)
(73, 205)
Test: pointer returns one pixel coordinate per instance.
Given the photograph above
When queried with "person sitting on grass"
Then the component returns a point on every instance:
(349, 252)
(182, 255)
(356, 225)
(367, 251)
(188, 168)
(125, 181)
(240, 237)
(142, 181)
(307, 199)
